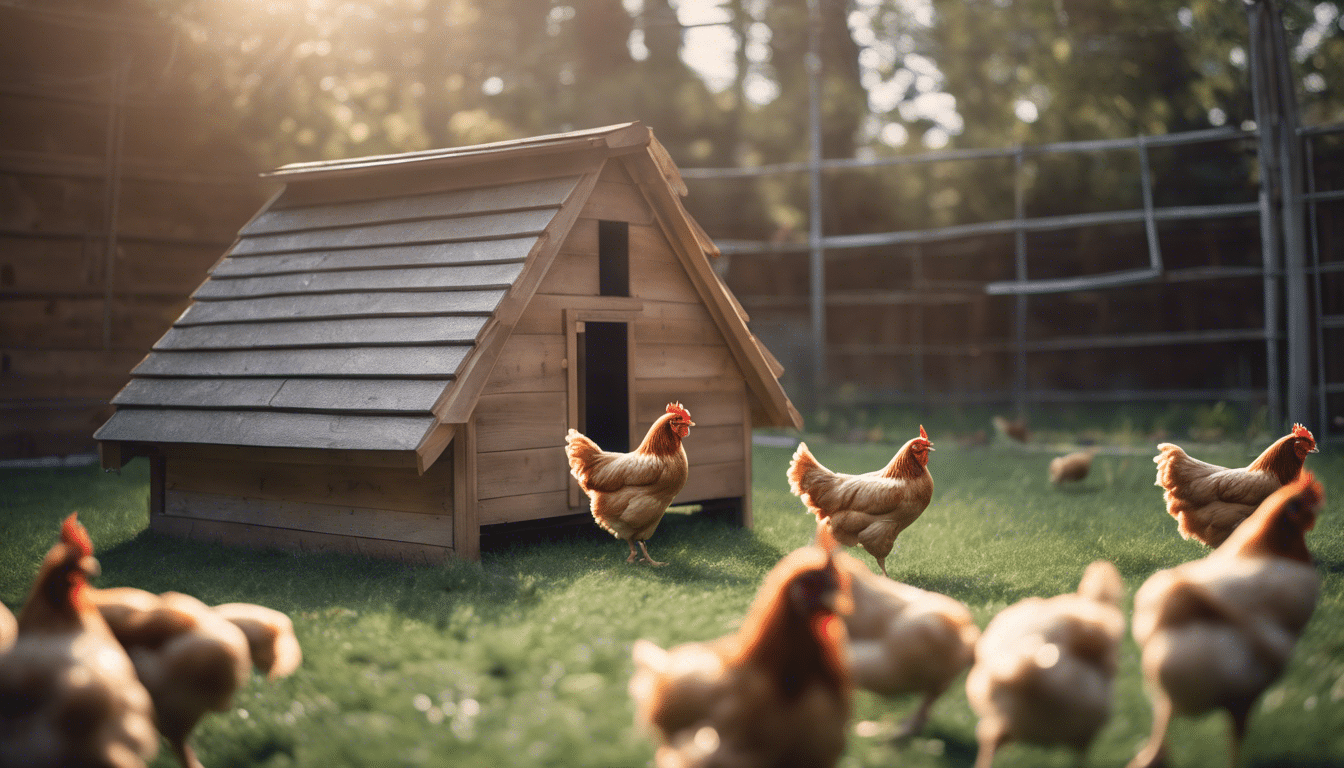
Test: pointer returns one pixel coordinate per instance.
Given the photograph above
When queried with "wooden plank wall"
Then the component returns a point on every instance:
(679, 355)
(75, 319)
(323, 504)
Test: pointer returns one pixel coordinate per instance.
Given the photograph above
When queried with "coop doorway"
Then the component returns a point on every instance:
(604, 384)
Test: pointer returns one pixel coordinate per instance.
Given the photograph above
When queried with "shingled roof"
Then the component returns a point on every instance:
(372, 324)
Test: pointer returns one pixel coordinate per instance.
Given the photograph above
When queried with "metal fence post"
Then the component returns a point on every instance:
(817, 257)
(1020, 260)
(1263, 86)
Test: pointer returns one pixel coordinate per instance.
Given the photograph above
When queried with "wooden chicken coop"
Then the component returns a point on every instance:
(390, 354)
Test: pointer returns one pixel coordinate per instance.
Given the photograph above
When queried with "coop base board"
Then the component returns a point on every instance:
(260, 536)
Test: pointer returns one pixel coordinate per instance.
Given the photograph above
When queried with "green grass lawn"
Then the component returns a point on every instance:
(523, 659)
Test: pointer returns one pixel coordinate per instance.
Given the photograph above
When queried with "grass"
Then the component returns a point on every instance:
(523, 659)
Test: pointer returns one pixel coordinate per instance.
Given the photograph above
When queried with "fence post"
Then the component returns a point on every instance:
(1020, 259)
(1281, 212)
(816, 257)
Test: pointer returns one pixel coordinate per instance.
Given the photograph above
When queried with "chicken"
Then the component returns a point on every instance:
(1216, 632)
(1072, 467)
(1209, 501)
(775, 693)
(190, 657)
(903, 639)
(270, 637)
(629, 492)
(1044, 668)
(869, 509)
(1016, 429)
(69, 696)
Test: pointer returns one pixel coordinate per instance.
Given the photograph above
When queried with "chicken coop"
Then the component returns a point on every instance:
(391, 352)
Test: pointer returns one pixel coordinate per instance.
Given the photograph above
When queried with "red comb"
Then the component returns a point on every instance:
(676, 408)
(74, 535)
(922, 433)
(1301, 431)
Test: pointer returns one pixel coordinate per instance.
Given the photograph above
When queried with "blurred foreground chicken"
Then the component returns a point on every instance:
(869, 509)
(191, 658)
(1044, 667)
(903, 639)
(1217, 632)
(1209, 501)
(1072, 467)
(629, 492)
(9, 628)
(69, 697)
(775, 693)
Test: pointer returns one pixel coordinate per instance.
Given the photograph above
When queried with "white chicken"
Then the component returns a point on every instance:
(1044, 668)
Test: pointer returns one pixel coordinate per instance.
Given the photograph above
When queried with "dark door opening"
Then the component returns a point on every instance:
(604, 388)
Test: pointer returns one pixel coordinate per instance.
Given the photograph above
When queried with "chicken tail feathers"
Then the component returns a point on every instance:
(270, 637)
(807, 477)
(582, 452)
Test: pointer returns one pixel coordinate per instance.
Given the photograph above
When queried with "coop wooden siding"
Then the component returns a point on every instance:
(350, 395)
(381, 511)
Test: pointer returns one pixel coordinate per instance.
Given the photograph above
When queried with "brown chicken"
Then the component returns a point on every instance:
(903, 639)
(775, 693)
(1216, 632)
(1209, 501)
(69, 696)
(870, 509)
(189, 659)
(1072, 467)
(629, 492)
(1044, 668)
(1015, 430)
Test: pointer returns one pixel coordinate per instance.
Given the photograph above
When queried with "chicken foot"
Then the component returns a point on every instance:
(1154, 752)
(635, 556)
(917, 721)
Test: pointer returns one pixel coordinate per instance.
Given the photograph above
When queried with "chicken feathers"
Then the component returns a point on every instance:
(868, 510)
(1209, 501)
(69, 696)
(903, 639)
(1216, 632)
(191, 660)
(1044, 668)
(630, 492)
(775, 693)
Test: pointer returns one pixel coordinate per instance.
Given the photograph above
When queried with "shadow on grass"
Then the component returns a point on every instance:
(515, 565)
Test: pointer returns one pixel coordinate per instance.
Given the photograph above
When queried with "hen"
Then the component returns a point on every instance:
(191, 658)
(775, 693)
(903, 639)
(629, 492)
(1216, 632)
(69, 696)
(870, 509)
(1209, 501)
(1072, 467)
(1044, 668)
(1015, 430)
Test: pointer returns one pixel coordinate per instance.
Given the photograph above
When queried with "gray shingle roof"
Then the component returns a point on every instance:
(338, 325)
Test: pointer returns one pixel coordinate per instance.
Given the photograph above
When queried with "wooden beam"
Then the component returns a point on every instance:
(466, 527)
(433, 446)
